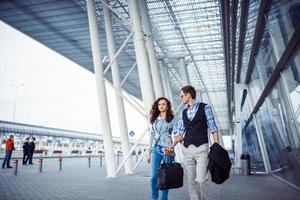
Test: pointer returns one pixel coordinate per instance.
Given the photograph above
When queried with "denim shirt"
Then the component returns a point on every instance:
(161, 133)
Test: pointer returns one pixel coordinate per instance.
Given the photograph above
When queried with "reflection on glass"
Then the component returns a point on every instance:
(281, 138)
(278, 31)
(251, 147)
(292, 82)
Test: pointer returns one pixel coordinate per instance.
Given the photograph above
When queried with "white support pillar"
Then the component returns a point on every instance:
(260, 137)
(149, 42)
(141, 56)
(238, 142)
(1, 139)
(166, 83)
(98, 68)
(70, 148)
(164, 78)
(117, 85)
(170, 94)
(183, 68)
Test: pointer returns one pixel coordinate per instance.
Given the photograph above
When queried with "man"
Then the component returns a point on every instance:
(9, 147)
(25, 150)
(195, 123)
(31, 147)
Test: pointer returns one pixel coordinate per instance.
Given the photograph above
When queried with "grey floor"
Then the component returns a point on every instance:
(77, 181)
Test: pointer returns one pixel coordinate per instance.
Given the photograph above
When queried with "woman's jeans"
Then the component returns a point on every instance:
(156, 159)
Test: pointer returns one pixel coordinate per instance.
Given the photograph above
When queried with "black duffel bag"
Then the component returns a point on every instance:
(170, 176)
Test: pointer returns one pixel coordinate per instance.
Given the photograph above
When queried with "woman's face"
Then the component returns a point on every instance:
(162, 105)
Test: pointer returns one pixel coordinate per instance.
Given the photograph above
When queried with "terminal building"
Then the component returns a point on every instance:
(241, 56)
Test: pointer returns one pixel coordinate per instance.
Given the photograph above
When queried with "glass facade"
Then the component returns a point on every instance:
(278, 31)
(251, 147)
(278, 117)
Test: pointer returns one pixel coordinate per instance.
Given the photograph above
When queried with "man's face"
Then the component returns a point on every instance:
(162, 105)
(184, 97)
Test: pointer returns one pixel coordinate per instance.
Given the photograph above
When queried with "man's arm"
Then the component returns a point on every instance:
(211, 123)
(180, 131)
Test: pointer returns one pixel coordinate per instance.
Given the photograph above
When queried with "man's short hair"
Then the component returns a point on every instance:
(189, 90)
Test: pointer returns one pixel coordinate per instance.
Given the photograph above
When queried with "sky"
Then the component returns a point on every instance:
(51, 90)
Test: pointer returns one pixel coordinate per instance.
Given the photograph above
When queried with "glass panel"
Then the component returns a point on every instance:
(292, 83)
(279, 29)
(251, 147)
(280, 136)
(255, 90)
(269, 123)
(282, 21)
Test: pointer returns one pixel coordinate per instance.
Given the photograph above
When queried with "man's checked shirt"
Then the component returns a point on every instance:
(191, 112)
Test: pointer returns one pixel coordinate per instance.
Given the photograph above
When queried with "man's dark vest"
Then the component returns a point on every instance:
(196, 130)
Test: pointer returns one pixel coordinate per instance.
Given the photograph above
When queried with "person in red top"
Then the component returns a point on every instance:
(9, 147)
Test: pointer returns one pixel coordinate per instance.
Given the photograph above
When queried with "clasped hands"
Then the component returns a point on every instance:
(169, 150)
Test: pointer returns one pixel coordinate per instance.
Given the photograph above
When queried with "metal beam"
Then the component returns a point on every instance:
(128, 73)
(243, 29)
(264, 8)
(234, 6)
(118, 52)
(287, 55)
(226, 39)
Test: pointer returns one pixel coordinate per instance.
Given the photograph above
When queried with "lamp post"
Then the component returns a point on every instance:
(16, 97)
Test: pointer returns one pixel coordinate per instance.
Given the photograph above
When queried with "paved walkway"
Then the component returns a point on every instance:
(77, 181)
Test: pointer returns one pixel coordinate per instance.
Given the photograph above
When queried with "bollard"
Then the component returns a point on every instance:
(60, 162)
(16, 167)
(40, 165)
(100, 160)
(89, 159)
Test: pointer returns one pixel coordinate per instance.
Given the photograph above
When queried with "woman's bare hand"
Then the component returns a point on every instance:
(148, 157)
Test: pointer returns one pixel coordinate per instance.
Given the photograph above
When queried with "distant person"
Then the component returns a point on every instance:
(25, 150)
(31, 148)
(161, 145)
(9, 147)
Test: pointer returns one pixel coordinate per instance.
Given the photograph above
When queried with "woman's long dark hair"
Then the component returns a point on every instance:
(154, 113)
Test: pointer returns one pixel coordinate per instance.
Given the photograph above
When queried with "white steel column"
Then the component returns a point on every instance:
(166, 82)
(261, 140)
(141, 56)
(1, 138)
(149, 42)
(70, 146)
(183, 68)
(164, 78)
(116, 82)
(104, 114)
(238, 142)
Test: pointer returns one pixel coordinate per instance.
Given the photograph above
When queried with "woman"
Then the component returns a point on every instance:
(161, 146)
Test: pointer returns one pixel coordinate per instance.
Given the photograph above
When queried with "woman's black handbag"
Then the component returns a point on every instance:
(170, 176)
